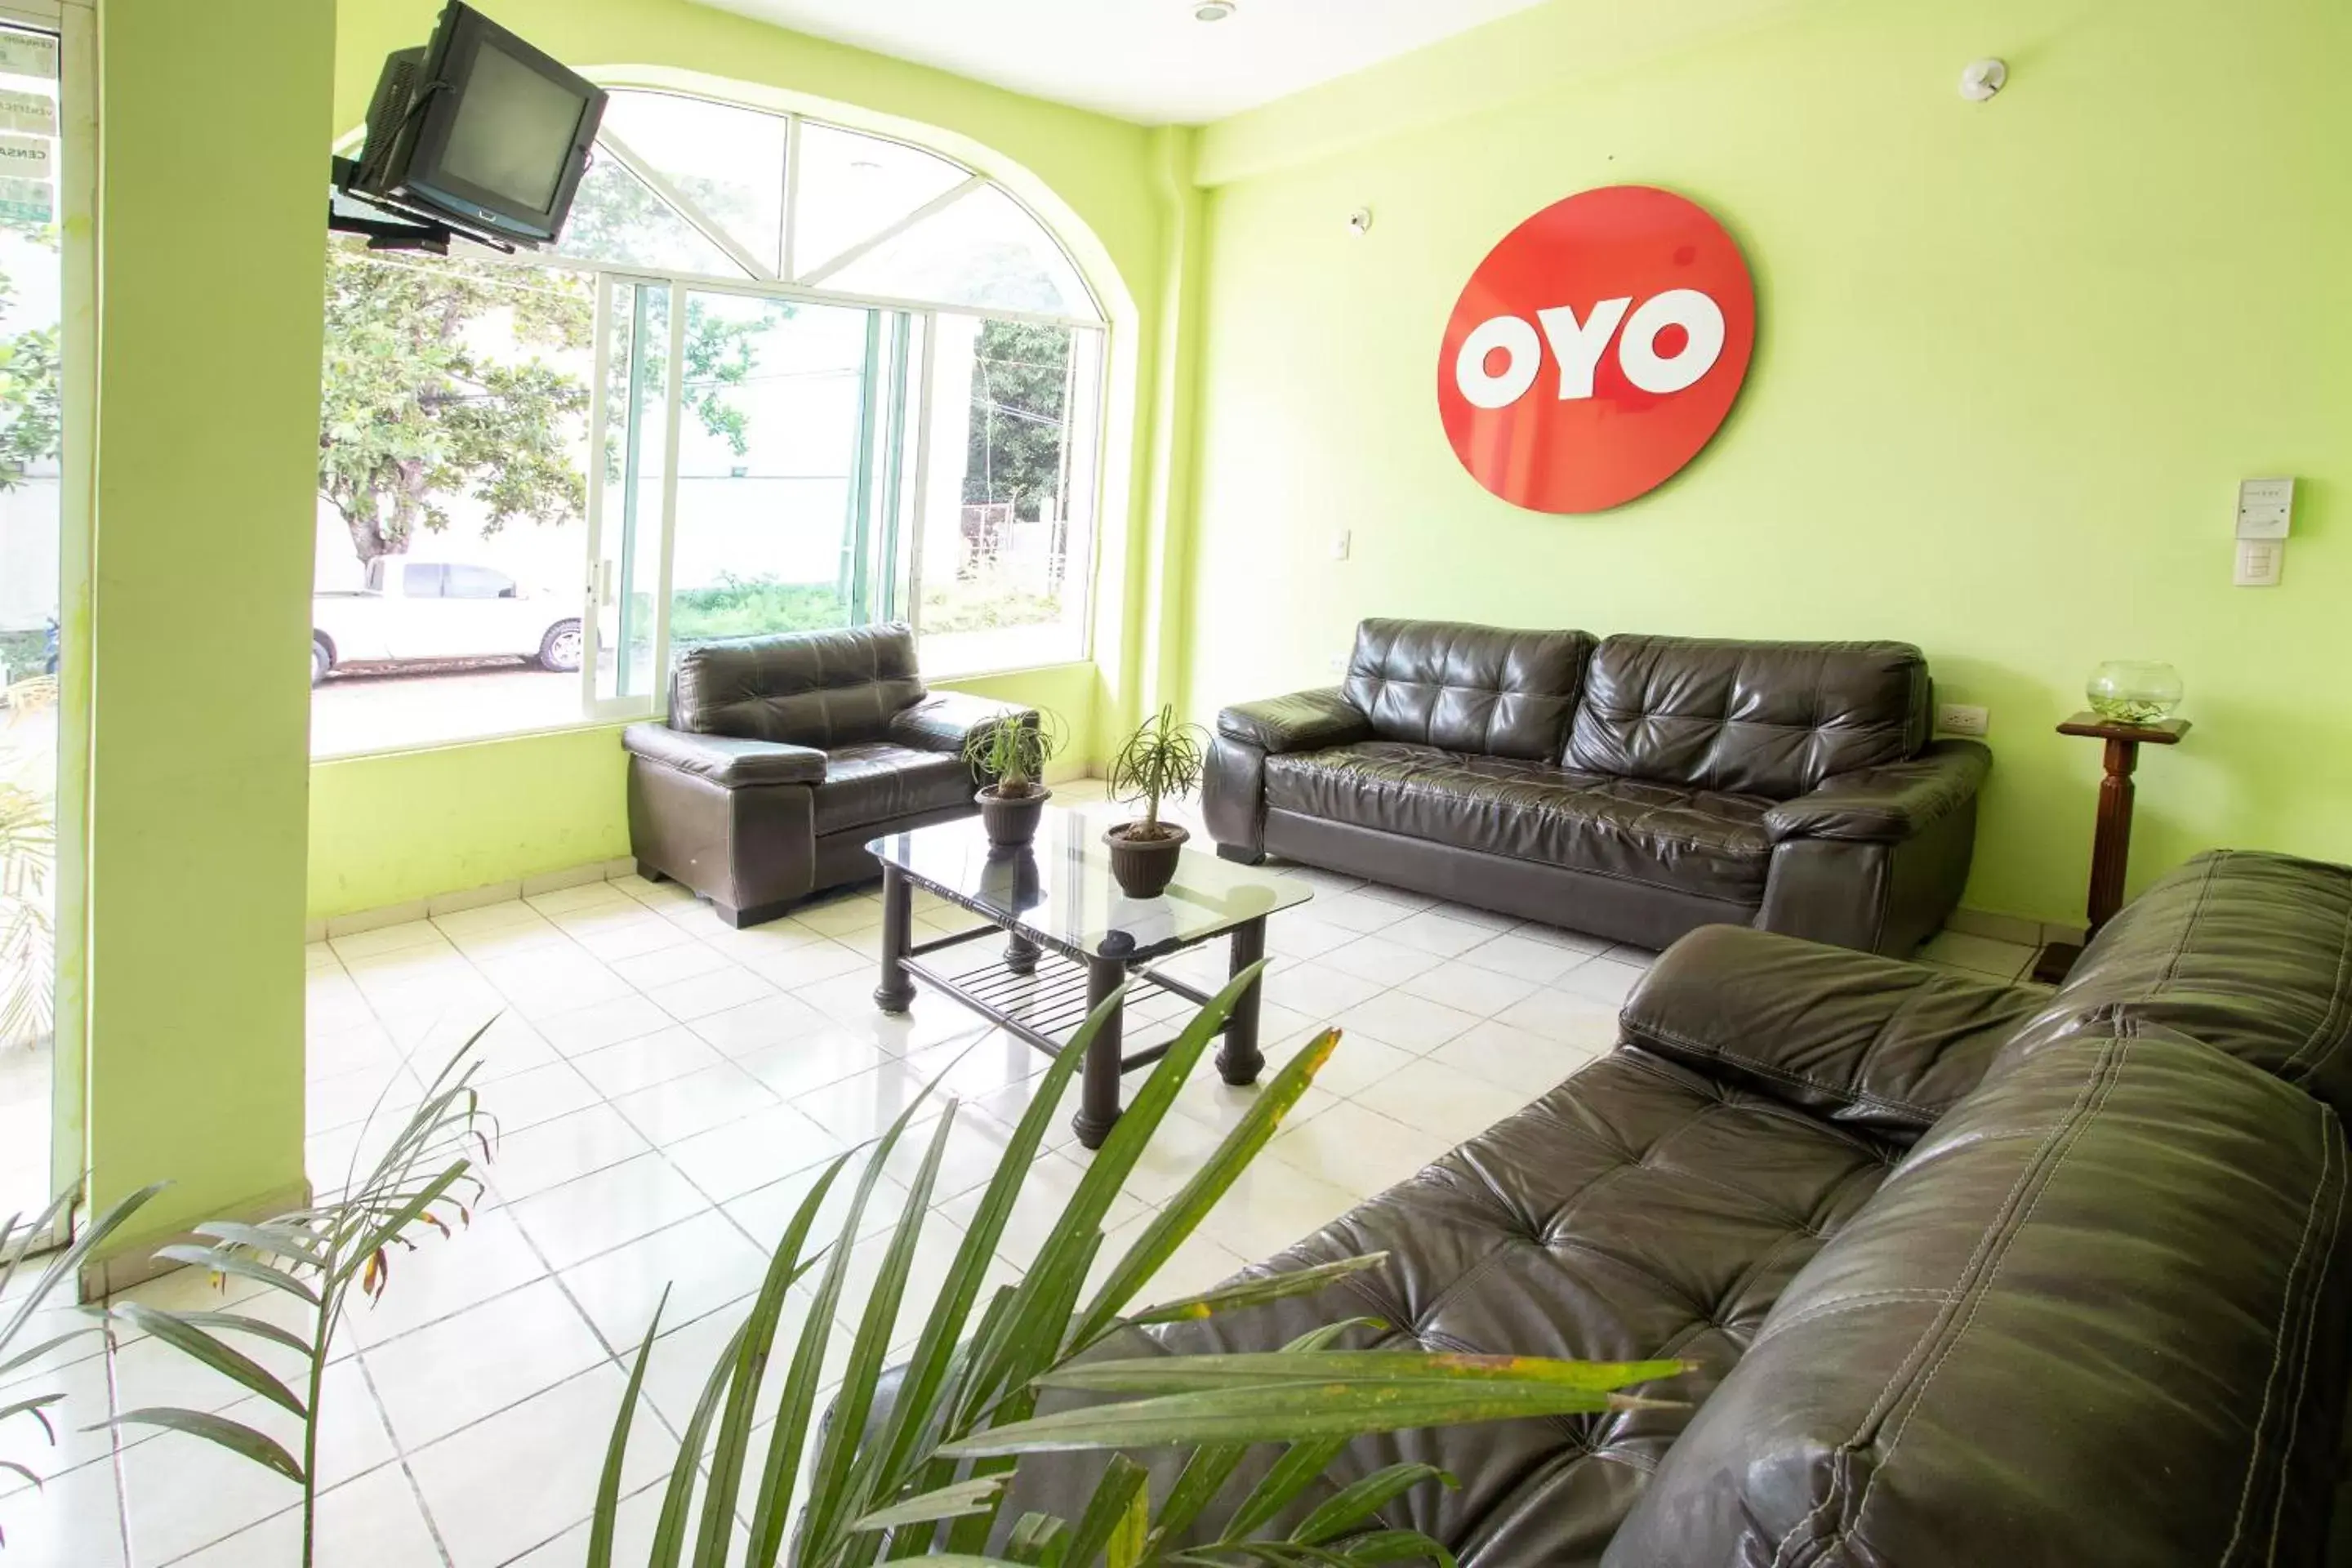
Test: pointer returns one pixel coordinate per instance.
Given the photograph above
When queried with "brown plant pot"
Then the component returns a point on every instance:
(1011, 822)
(1144, 867)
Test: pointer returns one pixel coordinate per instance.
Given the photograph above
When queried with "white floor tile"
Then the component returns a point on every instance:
(747, 1154)
(1358, 911)
(648, 1060)
(1377, 958)
(441, 1277)
(1452, 1106)
(1565, 1017)
(1466, 988)
(666, 964)
(1603, 980)
(588, 1029)
(1431, 932)
(561, 1150)
(574, 1222)
(526, 1474)
(373, 1521)
(1516, 1059)
(1406, 1021)
(1356, 1149)
(1998, 960)
(766, 1212)
(682, 1106)
(703, 1263)
(758, 1024)
(451, 1374)
(730, 986)
(1525, 956)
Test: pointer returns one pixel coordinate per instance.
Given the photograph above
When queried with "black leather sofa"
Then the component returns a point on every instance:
(1975, 1275)
(784, 755)
(1636, 787)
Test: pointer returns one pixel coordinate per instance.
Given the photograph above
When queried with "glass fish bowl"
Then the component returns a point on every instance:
(2134, 691)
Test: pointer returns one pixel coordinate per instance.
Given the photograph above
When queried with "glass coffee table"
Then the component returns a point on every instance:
(1071, 939)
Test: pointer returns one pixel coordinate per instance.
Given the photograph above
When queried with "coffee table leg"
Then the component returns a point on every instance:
(896, 989)
(1239, 1059)
(1020, 953)
(1099, 1095)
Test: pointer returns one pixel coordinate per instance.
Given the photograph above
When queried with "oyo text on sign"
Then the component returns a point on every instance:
(1596, 350)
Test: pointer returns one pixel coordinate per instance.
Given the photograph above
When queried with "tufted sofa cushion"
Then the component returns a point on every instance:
(1467, 688)
(807, 688)
(1748, 718)
(2251, 953)
(1638, 1210)
(1713, 846)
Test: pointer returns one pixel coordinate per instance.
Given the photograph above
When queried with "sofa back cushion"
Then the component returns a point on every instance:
(1482, 689)
(2095, 1315)
(806, 688)
(2250, 952)
(1748, 718)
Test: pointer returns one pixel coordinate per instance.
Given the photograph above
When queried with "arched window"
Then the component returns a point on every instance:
(833, 378)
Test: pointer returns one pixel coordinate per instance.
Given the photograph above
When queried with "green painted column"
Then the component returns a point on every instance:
(216, 128)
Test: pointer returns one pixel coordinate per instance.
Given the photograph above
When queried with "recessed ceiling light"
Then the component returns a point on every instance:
(1212, 10)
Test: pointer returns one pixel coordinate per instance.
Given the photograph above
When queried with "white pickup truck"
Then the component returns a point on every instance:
(438, 611)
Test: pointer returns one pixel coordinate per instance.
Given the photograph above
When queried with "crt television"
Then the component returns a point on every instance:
(481, 130)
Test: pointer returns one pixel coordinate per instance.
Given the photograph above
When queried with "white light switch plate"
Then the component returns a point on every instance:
(1340, 542)
(2260, 564)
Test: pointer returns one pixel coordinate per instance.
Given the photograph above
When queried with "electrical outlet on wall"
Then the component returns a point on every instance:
(1336, 664)
(1961, 719)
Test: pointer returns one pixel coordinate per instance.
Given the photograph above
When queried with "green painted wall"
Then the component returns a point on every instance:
(207, 414)
(388, 829)
(2014, 360)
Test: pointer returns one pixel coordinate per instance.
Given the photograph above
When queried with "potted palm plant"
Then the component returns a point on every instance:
(919, 1463)
(1013, 756)
(1161, 760)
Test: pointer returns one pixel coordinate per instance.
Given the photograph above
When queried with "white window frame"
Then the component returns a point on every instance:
(779, 283)
(76, 23)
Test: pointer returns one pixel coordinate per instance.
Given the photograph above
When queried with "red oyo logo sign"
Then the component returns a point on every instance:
(1596, 350)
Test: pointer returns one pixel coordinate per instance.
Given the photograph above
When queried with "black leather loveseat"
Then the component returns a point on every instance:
(784, 755)
(1975, 1275)
(1636, 787)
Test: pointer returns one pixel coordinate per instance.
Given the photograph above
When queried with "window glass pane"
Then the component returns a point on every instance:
(453, 426)
(770, 459)
(476, 582)
(728, 162)
(853, 186)
(983, 250)
(636, 401)
(1009, 521)
(31, 444)
(616, 218)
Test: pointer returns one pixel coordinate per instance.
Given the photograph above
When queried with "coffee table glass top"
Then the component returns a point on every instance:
(1059, 890)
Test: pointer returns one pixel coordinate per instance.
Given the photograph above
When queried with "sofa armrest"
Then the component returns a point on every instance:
(1849, 1037)
(1302, 722)
(945, 721)
(1886, 804)
(724, 760)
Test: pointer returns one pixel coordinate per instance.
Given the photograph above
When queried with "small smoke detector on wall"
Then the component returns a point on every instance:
(1212, 10)
(1979, 79)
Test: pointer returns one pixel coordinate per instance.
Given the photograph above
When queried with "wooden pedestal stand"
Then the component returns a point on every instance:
(2111, 848)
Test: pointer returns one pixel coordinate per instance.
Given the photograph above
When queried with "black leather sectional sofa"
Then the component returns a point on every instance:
(1975, 1275)
(1636, 787)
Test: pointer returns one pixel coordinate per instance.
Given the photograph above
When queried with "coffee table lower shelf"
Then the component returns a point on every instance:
(1042, 996)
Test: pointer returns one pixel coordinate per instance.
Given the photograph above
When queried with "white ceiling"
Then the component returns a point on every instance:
(1146, 60)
